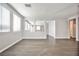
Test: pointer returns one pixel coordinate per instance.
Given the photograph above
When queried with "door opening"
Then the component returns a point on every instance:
(72, 29)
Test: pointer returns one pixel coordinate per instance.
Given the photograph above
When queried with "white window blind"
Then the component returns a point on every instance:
(4, 19)
(16, 23)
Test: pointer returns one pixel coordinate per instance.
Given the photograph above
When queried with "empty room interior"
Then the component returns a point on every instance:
(39, 29)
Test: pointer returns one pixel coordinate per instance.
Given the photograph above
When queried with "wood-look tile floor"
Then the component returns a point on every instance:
(42, 48)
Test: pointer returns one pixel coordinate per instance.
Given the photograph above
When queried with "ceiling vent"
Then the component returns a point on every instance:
(27, 5)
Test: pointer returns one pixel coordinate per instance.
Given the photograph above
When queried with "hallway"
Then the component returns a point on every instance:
(43, 47)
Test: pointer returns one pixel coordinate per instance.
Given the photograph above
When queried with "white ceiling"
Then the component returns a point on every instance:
(45, 9)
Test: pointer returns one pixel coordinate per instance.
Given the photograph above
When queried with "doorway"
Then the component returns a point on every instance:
(72, 29)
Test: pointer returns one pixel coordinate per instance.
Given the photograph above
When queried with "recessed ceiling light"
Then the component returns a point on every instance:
(28, 5)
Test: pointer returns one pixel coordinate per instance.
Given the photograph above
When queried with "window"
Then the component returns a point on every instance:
(0, 18)
(38, 28)
(16, 23)
(28, 27)
(33, 27)
(4, 19)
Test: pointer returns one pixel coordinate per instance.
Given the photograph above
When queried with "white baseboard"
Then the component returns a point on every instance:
(51, 36)
(34, 37)
(61, 37)
(77, 39)
(10, 45)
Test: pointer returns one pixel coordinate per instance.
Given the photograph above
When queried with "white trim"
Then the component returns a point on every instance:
(72, 17)
(61, 37)
(77, 40)
(51, 36)
(34, 38)
(10, 45)
(77, 22)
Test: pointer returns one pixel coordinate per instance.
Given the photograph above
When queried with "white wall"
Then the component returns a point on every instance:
(78, 29)
(76, 16)
(8, 39)
(34, 35)
(51, 28)
(61, 28)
